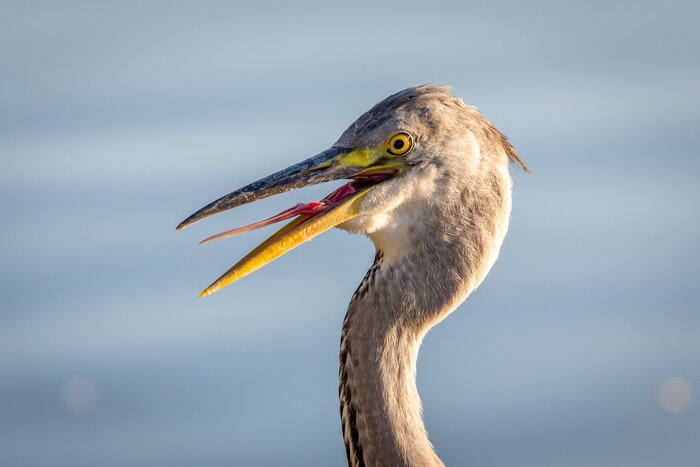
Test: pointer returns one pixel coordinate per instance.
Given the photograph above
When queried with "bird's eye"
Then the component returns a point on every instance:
(400, 144)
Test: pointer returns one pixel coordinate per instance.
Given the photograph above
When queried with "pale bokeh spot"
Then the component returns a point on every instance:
(79, 395)
(674, 395)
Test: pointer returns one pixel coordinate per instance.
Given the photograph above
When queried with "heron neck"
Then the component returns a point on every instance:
(382, 333)
(380, 406)
(399, 300)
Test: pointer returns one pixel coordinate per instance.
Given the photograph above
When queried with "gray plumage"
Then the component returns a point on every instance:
(436, 247)
(431, 188)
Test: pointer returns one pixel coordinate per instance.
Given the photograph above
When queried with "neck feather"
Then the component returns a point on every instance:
(399, 300)
(380, 406)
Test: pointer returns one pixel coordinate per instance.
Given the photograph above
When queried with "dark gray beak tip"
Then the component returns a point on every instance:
(299, 175)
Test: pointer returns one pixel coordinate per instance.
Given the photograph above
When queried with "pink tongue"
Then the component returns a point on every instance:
(308, 208)
(339, 194)
(301, 208)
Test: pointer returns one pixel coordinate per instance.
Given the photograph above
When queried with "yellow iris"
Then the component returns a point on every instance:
(400, 144)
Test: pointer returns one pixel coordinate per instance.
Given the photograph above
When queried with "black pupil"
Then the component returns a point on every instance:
(398, 144)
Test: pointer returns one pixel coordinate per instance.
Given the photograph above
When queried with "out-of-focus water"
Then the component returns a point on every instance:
(117, 120)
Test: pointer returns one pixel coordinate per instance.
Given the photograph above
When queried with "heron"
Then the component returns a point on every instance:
(429, 184)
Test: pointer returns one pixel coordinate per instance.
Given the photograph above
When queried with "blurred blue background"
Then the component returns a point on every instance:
(118, 119)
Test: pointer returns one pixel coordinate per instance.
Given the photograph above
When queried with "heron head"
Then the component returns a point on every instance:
(411, 148)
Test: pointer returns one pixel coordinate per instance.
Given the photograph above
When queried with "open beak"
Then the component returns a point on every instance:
(366, 167)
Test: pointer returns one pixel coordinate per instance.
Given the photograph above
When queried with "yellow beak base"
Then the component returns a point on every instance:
(301, 229)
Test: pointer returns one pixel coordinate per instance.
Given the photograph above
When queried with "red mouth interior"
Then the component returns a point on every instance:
(313, 209)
